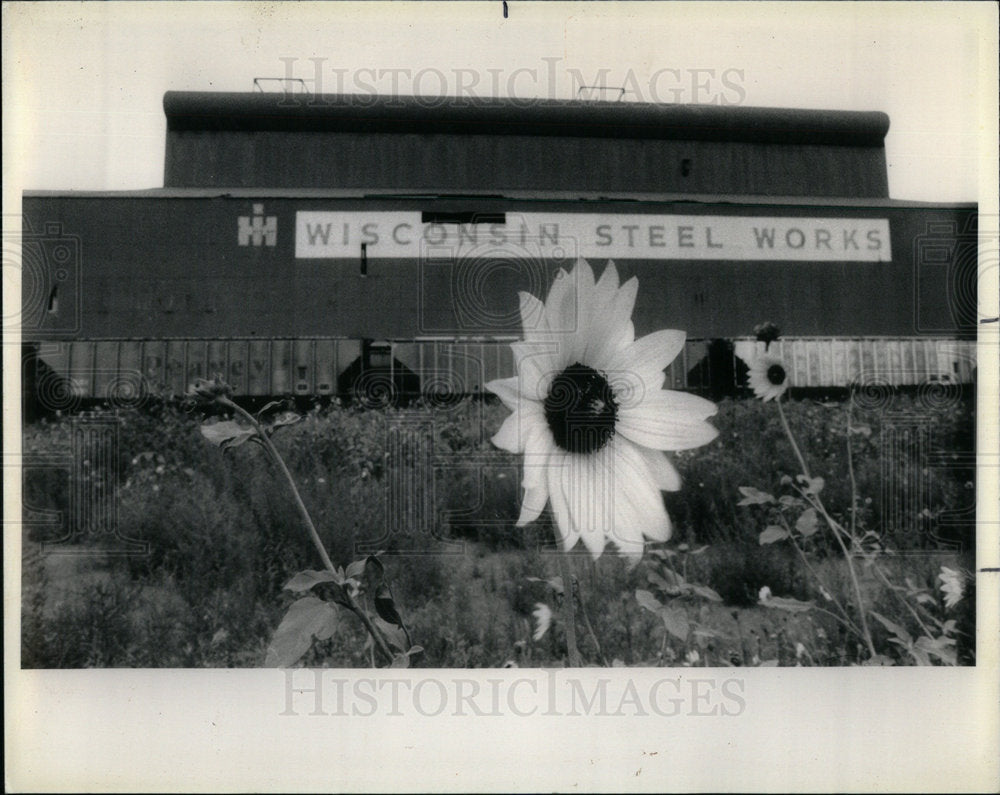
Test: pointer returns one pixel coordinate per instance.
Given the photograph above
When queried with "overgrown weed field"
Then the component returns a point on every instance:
(223, 537)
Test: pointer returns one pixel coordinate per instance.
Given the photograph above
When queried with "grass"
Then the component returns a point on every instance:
(223, 538)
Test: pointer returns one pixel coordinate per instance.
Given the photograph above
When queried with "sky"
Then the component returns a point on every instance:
(83, 82)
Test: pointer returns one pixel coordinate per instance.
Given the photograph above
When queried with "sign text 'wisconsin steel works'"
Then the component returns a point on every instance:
(332, 235)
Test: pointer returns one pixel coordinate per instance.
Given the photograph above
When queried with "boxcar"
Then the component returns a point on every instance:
(374, 247)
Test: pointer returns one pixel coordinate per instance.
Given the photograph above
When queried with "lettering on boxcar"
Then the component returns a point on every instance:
(654, 236)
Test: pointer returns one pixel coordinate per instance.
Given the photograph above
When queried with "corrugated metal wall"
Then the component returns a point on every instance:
(447, 163)
(172, 267)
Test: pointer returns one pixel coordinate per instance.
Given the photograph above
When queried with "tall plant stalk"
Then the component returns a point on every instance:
(835, 527)
(569, 611)
(350, 601)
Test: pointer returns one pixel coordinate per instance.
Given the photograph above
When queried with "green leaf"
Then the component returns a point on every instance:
(647, 600)
(272, 405)
(706, 593)
(939, 647)
(307, 618)
(656, 580)
(752, 496)
(357, 568)
(226, 433)
(395, 636)
(771, 534)
(676, 622)
(386, 607)
(305, 580)
(787, 603)
(555, 583)
(287, 418)
(811, 485)
(894, 628)
(807, 523)
(376, 564)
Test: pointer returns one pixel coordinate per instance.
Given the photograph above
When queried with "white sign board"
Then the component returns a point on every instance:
(337, 235)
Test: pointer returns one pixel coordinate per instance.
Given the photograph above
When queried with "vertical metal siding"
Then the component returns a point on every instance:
(326, 367)
(122, 369)
(399, 161)
(281, 362)
(237, 351)
(154, 364)
(304, 371)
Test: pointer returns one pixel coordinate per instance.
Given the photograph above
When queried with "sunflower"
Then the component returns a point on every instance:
(590, 417)
(768, 378)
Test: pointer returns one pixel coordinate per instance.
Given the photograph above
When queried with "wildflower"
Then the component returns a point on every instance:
(768, 378)
(952, 586)
(543, 618)
(590, 416)
(209, 390)
(767, 333)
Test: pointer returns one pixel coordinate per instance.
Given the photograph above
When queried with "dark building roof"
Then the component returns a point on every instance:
(446, 144)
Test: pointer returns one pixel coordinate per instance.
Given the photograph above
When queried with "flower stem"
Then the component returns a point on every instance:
(569, 611)
(835, 527)
(888, 584)
(586, 621)
(351, 603)
(846, 620)
(850, 471)
(791, 439)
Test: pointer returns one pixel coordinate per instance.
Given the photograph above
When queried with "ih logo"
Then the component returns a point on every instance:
(257, 229)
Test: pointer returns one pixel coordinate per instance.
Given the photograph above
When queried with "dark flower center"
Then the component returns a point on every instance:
(776, 374)
(581, 409)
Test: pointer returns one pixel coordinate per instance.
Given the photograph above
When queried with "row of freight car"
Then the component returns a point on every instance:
(128, 371)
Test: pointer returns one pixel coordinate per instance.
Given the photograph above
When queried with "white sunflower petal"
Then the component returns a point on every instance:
(606, 288)
(533, 504)
(568, 535)
(681, 405)
(532, 316)
(538, 449)
(536, 367)
(668, 420)
(648, 356)
(588, 482)
(560, 306)
(510, 437)
(508, 390)
(585, 295)
(615, 331)
(662, 470)
(600, 327)
(524, 431)
(638, 506)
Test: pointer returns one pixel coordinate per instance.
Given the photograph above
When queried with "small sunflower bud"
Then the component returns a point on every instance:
(209, 390)
(767, 333)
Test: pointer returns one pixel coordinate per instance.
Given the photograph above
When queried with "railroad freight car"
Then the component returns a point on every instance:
(374, 246)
